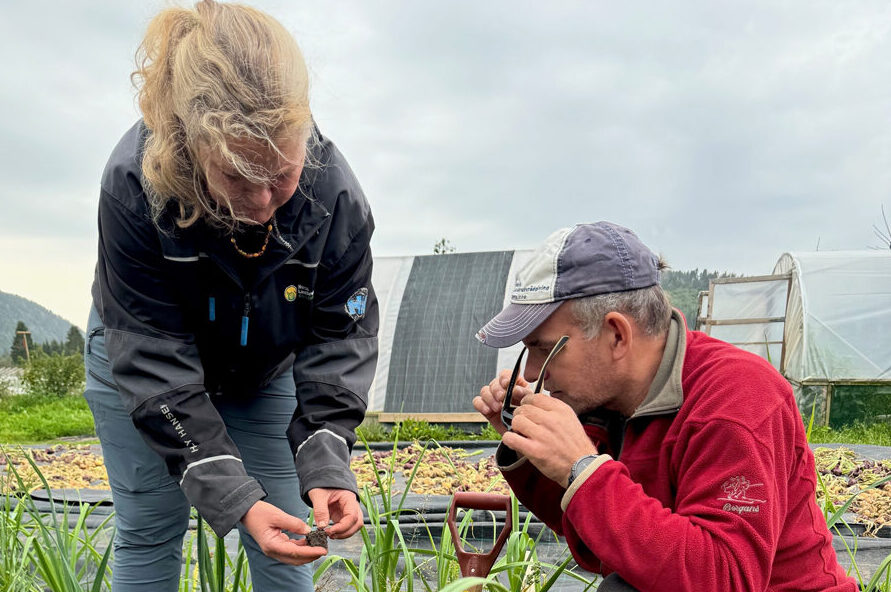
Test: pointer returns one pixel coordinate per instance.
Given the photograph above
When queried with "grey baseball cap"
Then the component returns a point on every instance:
(582, 260)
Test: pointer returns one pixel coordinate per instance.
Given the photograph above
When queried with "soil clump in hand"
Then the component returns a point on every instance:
(317, 538)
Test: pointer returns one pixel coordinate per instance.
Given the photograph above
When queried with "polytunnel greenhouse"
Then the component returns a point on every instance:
(823, 319)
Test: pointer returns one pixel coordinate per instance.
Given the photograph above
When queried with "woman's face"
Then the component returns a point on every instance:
(253, 201)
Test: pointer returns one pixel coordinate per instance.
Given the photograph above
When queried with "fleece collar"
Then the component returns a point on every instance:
(665, 394)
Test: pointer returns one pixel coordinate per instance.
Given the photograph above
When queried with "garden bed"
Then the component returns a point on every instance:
(445, 470)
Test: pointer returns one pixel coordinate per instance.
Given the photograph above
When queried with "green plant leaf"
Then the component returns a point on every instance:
(882, 571)
(204, 566)
(463, 584)
(102, 568)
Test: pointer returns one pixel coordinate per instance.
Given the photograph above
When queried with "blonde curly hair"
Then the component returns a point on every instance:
(205, 77)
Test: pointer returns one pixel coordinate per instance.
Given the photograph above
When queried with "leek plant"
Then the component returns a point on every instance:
(881, 578)
(520, 569)
(388, 564)
(212, 566)
(190, 580)
(378, 567)
(62, 557)
(16, 538)
(56, 551)
(443, 557)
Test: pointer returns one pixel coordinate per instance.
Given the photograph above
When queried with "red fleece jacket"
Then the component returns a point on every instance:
(717, 494)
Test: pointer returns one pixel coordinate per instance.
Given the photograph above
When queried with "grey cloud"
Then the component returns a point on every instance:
(723, 134)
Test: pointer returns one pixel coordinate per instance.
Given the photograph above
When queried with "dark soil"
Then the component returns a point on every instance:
(317, 538)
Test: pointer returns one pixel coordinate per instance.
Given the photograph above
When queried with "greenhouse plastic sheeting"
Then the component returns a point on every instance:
(838, 320)
(763, 339)
(389, 277)
(751, 301)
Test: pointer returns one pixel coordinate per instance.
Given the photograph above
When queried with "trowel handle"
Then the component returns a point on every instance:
(472, 500)
(479, 564)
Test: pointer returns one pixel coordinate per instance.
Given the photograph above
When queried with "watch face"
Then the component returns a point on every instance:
(579, 466)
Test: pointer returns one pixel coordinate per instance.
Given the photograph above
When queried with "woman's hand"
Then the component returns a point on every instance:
(265, 523)
(339, 506)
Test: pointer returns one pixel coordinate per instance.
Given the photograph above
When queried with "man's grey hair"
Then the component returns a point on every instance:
(649, 307)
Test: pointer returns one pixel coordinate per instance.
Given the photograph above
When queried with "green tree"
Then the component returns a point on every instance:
(19, 352)
(443, 246)
(683, 289)
(51, 348)
(74, 342)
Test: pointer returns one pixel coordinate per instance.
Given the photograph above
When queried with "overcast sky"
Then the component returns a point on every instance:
(723, 134)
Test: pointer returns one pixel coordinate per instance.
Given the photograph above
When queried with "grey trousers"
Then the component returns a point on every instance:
(613, 583)
(151, 512)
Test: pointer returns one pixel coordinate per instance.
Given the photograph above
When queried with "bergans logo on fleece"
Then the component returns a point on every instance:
(736, 490)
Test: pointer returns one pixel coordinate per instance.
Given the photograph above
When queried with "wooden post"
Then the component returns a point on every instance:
(24, 335)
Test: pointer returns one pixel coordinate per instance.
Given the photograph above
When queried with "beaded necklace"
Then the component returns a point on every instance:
(255, 253)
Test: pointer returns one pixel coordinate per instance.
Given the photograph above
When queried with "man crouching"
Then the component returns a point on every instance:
(668, 459)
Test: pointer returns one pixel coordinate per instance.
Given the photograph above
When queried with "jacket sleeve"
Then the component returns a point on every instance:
(334, 370)
(718, 536)
(540, 495)
(156, 366)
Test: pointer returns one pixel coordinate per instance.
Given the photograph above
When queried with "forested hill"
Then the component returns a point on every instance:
(683, 289)
(45, 325)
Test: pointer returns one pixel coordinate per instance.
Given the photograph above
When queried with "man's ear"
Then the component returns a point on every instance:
(617, 329)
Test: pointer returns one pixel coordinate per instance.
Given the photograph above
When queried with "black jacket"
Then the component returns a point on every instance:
(182, 325)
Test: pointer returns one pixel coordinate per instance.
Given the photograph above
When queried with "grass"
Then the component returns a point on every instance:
(876, 434)
(38, 419)
(418, 430)
(32, 419)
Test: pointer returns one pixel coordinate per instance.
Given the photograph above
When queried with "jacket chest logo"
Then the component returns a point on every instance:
(293, 292)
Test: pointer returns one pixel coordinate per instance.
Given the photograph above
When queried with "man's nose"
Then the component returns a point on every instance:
(533, 367)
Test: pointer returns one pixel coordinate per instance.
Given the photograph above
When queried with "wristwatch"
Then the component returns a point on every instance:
(579, 466)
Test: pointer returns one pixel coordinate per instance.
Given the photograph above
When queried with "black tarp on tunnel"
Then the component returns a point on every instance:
(436, 365)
